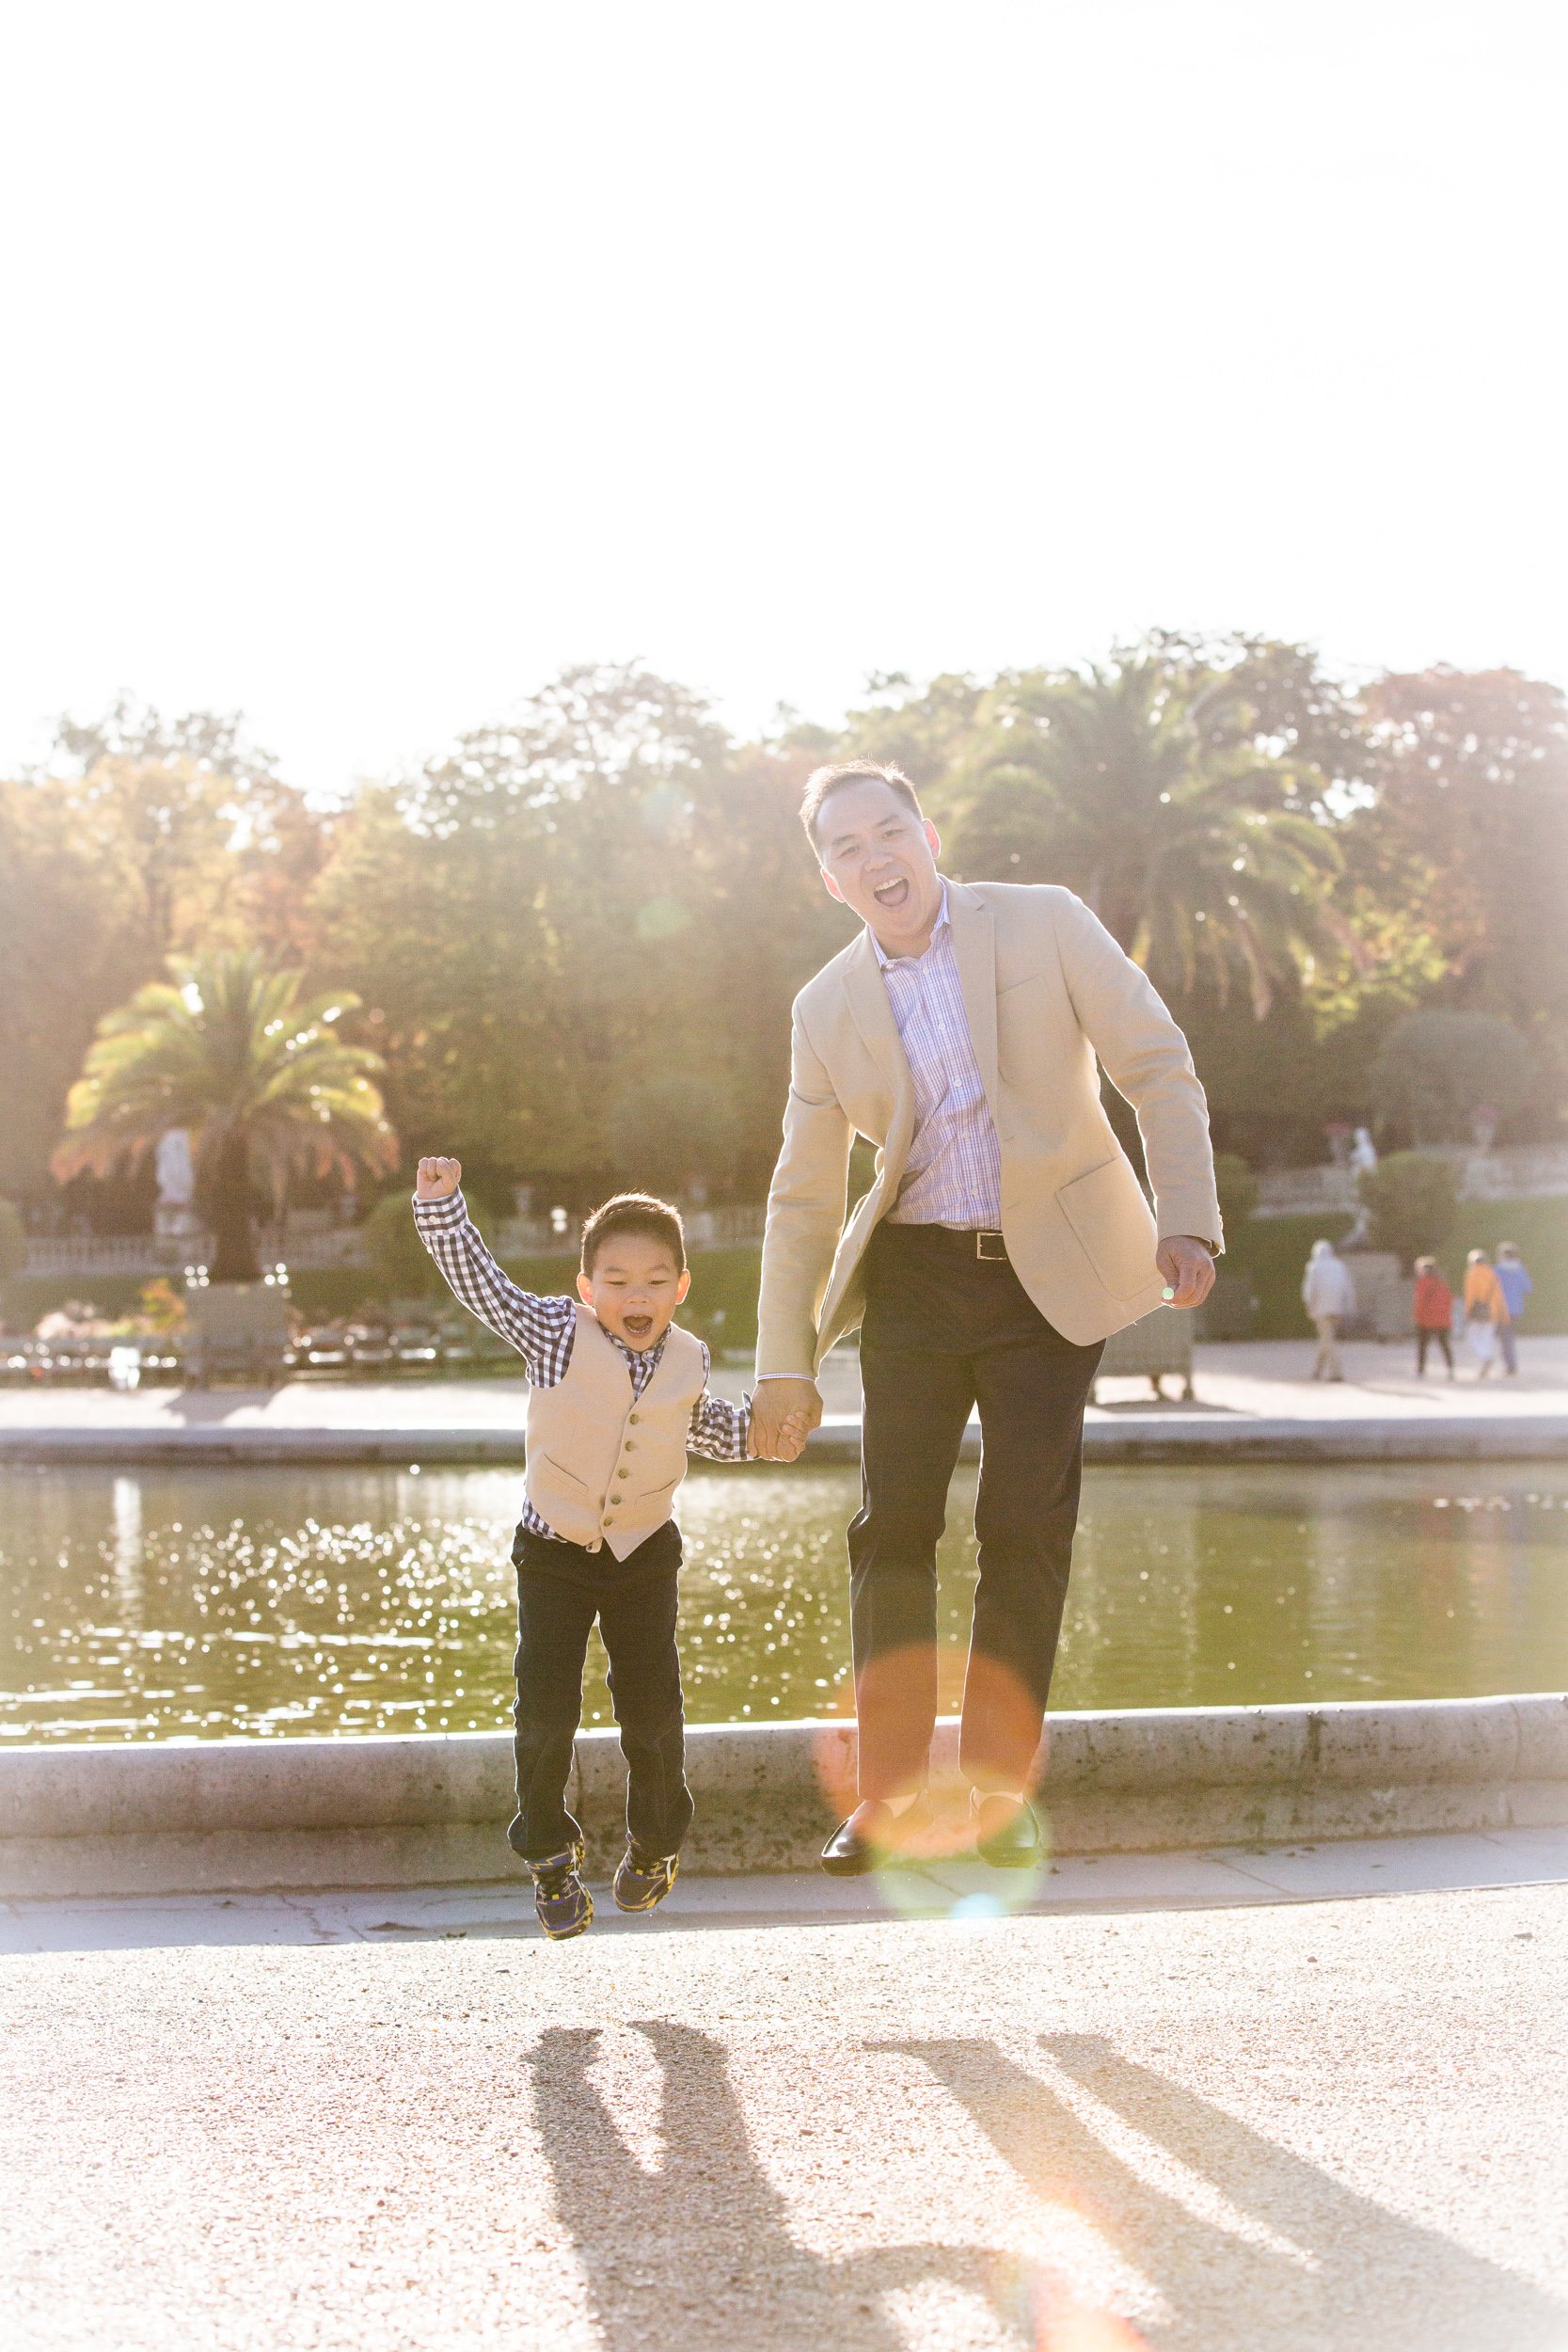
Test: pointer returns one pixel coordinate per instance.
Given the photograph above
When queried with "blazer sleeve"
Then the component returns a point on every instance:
(1147, 1060)
(806, 1204)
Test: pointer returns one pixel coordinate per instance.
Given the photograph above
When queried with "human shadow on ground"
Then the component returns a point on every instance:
(700, 2254)
(1349, 2272)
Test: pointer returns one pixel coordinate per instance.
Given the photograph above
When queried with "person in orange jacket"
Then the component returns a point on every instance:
(1433, 1315)
(1485, 1309)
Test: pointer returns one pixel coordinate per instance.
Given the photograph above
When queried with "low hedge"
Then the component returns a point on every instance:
(1273, 1251)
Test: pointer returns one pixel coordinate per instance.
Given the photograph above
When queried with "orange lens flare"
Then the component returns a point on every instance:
(903, 1737)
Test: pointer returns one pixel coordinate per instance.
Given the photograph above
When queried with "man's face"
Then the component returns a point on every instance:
(634, 1288)
(879, 859)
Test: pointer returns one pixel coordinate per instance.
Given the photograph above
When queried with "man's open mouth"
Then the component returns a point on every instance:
(891, 894)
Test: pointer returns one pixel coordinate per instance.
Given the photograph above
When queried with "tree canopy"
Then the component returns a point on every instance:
(254, 1069)
(579, 929)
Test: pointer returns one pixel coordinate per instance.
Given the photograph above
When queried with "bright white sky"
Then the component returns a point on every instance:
(365, 362)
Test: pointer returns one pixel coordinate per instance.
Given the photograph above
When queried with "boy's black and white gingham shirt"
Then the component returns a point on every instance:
(543, 1332)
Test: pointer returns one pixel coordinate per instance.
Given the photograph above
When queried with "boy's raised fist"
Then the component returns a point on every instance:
(436, 1179)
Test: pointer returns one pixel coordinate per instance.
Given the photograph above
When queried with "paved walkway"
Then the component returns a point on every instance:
(1244, 1381)
(1131, 2117)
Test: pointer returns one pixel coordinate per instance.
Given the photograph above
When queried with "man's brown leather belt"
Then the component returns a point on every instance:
(990, 1246)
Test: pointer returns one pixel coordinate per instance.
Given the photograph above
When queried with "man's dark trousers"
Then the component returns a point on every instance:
(561, 1589)
(946, 1328)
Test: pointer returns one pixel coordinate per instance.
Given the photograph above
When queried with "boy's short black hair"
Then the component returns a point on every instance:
(633, 1213)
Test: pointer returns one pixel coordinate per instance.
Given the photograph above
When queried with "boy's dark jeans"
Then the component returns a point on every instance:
(561, 1589)
(945, 1330)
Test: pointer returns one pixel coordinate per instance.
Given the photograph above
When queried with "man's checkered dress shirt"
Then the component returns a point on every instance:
(953, 1175)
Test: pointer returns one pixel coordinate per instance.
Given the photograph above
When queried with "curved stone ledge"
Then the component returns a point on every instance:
(430, 1809)
(1141, 1438)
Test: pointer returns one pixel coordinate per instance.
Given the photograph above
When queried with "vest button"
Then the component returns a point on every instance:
(636, 1417)
(622, 1473)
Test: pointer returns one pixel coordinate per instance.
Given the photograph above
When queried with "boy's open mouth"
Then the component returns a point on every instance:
(893, 893)
(637, 1327)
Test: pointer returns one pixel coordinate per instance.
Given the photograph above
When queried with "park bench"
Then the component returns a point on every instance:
(1157, 1347)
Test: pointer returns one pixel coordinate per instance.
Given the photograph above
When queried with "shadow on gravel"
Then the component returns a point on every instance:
(698, 2256)
(1341, 2270)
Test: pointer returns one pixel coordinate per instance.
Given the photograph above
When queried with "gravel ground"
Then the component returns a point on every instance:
(1279, 2129)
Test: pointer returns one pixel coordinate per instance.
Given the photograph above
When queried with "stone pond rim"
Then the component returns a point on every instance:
(430, 1809)
(1182, 1438)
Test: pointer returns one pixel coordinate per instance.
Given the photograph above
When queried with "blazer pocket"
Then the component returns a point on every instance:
(1029, 980)
(1107, 1212)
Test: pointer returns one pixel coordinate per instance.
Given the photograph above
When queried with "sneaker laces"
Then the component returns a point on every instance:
(648, 1866)
(552, 1875)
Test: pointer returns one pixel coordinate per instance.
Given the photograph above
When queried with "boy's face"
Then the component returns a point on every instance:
(634, 1288)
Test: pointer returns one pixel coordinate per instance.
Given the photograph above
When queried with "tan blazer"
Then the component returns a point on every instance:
(1047, 989)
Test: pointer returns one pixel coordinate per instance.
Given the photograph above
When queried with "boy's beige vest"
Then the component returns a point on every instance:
(603, 1465)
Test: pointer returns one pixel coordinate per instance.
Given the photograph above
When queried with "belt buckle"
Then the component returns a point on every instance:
(993, 1257)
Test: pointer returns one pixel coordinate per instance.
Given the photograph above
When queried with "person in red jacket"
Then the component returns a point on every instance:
(1434, 1315)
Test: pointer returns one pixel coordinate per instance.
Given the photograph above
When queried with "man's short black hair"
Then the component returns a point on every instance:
(633, 1213)
(825, 780)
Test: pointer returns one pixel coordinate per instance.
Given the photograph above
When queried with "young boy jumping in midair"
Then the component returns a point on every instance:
(618, 1397)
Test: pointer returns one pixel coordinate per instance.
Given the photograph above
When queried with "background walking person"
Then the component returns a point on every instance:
(1433, 1315)
(1485, 1311)
(1329, 1296)
(1515, 1285)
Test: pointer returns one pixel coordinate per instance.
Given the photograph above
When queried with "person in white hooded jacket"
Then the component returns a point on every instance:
(1329, 1296)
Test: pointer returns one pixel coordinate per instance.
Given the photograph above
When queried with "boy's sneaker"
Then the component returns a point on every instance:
(643, 1879)
(564, 1903)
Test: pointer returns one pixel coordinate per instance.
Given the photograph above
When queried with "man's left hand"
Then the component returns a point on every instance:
(1188, 1266)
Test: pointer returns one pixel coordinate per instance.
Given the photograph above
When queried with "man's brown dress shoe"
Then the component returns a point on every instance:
(872, 1835)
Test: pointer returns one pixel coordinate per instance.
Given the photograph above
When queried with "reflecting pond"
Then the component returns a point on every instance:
(196, 1603)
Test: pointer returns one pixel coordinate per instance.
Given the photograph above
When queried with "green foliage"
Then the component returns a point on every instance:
(1279, 1244)
(143, 836)
(574, 936)
(666, 1130)
(1159, 789)
(601, 897)
(402, 1262)
(1435, 1070)
(254, 1069)
(13, 1241)
(1414, 1201)
(160, 1308)
(1236, 1187)
(1471, 822)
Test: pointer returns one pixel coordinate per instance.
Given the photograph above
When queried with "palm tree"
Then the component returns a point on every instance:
(232, 1053)
(1144, 785)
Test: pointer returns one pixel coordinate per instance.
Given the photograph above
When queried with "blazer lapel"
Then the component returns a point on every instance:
(974, 951)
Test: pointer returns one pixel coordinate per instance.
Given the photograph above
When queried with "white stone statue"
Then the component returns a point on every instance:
(1363, 1150)
(174, 1215)
(176, 1174)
